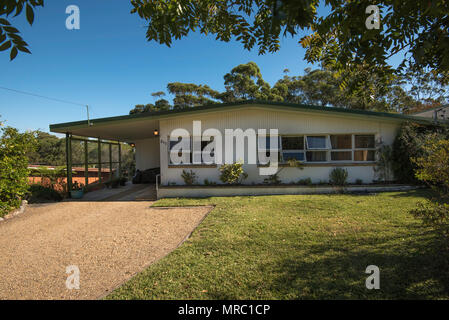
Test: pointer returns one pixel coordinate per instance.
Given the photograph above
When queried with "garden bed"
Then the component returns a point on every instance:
(201, 191)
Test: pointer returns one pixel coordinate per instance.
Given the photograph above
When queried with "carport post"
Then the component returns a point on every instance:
(119, 159)
(99, 160)
(68, 152)
(110, 161)
(86, 165)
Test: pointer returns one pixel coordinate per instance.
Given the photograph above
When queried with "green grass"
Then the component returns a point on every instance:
(299, 247)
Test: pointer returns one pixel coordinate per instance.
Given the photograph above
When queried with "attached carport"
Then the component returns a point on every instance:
(113, 132)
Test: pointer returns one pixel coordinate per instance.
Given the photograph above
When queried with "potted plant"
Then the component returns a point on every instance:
(123, 181)
(77, 191)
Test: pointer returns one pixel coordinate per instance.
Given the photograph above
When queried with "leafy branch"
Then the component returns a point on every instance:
(10, 36)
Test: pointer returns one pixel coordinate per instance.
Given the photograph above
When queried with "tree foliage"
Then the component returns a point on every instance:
(338, 39)
(50, 150)
(410, 144)
(9, 36)
(14, 167)
(249, 21)
(433, 169)
(353, 88)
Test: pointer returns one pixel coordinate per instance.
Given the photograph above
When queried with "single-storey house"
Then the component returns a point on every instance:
(321, 138)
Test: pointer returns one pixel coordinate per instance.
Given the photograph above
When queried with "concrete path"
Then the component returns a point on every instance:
(108, 242)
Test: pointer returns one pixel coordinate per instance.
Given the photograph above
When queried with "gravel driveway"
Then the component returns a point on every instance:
(108, 241)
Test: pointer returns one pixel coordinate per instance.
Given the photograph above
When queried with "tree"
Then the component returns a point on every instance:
(14, 147)
(189, 95)
(245, 82)
(250, 21)
(353, 88)
(9, 36)
(417, 28)
(433, 169)
(50, 150)
(426, 88)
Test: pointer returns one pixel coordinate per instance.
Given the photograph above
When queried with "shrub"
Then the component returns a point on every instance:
(433, 169)
(14, 167)
(305, 182)
(272, 179)
(53, 178)
(188, 177)
(209, 183)
(433, 166)
(383, 169)
(409, 144)
(358, 181)
(338, 177)
(38, 193)
(232, 173)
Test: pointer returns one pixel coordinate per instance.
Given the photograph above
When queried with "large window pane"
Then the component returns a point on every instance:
(341, 155)
(293, 156)
(313, 156)
(364, 141)
(364, 155)
(316, 142)
(341, 141)
(261, 140)
(292, 143)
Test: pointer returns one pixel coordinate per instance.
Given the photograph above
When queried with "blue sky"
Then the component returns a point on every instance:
(110, 65)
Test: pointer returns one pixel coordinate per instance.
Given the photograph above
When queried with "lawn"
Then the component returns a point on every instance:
(299, 247)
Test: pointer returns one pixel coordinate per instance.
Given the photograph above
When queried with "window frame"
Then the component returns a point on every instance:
(302, 151)
(329, 148)
(374, 149)
(350, 150)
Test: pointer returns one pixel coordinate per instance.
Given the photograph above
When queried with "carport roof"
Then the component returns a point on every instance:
(143, 124)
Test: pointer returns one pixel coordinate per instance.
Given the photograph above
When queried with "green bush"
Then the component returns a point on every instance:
(433, 170)
(409, 144)
(305, 182)
(232, 173)
(189, 177)
(272, 179)
(39, 193)
(338, 177)
(14, 167)
(209, 183)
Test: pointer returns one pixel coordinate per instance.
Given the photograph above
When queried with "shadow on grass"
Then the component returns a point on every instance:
(424, 193)
(413, 269)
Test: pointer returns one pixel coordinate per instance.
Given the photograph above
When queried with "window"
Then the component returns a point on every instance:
(341, 145)
(365, 149)
(292, 148)
(292, 143)
(316, 142)
(316, 156)
(292, 156)
(364, 155)
(364, 141)
(341, 141)
(183, 156)
(319, 145)
(341, 155)
(264, 143)
(264, 146)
